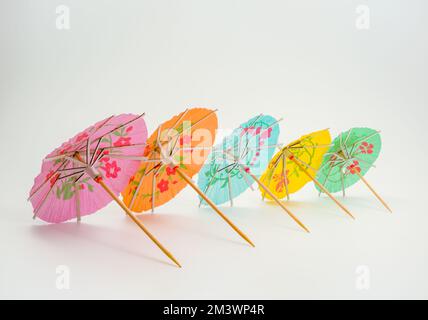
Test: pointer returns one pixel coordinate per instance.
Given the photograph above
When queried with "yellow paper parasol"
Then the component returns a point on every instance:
(296, 164)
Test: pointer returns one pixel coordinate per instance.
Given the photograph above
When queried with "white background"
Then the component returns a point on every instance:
(304, 61)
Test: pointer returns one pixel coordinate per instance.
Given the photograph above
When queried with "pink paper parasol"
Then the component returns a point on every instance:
(90, 170)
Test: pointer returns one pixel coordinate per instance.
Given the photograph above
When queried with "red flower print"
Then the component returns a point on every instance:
(82, 187)
(366, 148)
(111, 169)
(163, 185)
(266, 133)
(354, 167)
(104, 158)
(280, 181)
(123, 141)
(247, 130)
(171, 170)
(65, 148)
(82, 136)
(129, 129)
(52, 177)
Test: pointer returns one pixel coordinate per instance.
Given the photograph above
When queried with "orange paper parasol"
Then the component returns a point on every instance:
(175, 152)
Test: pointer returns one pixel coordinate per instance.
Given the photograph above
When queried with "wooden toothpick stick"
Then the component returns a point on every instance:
(374, 192)
(213, 206)
(130, 214)
(266, 189)
(138, 222)
(292, 158)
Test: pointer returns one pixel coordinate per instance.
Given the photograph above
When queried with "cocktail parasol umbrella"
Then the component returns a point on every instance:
(352, 154)
(175, 152)
(296, 164)
(237, 162)
(87, 172)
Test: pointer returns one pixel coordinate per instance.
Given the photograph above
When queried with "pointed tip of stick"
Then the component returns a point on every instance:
(304, 227)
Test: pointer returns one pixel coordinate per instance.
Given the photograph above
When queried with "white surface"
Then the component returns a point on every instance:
(302, 60)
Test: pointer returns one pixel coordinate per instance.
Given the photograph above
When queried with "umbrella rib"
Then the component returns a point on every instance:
(71, 174)
(176, 122)
(79, 147)
(208, 186)
(364, 138)
(230, 189)
(227, 167)
(304, 163)
(198, 121)
(284, 175)
(123, 125)
(79, 177)
(342, 178)
(362, 160)
(346, 141)
(95, 151)
(116, 128)
(88, 142)
(265, 147)
(43, 201)
(251, 125)
(133, 157)
(134, 196)
(312, 146)
(77, 197)
(74, 160)
(70, 153)
(174, 127)
(153, 187)
(245, 177)
(271, 171)
(247, 140)
(99, 157)
(71, 169)
(325, 180)
(158, 136)
(46, 180)
(265, 129)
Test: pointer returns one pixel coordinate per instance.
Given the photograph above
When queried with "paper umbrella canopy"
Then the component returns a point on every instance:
(90, 170)
(295, 165)
(247, 149)
(283, 176)
(350, 157)
(175, 152)
(238, 161)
